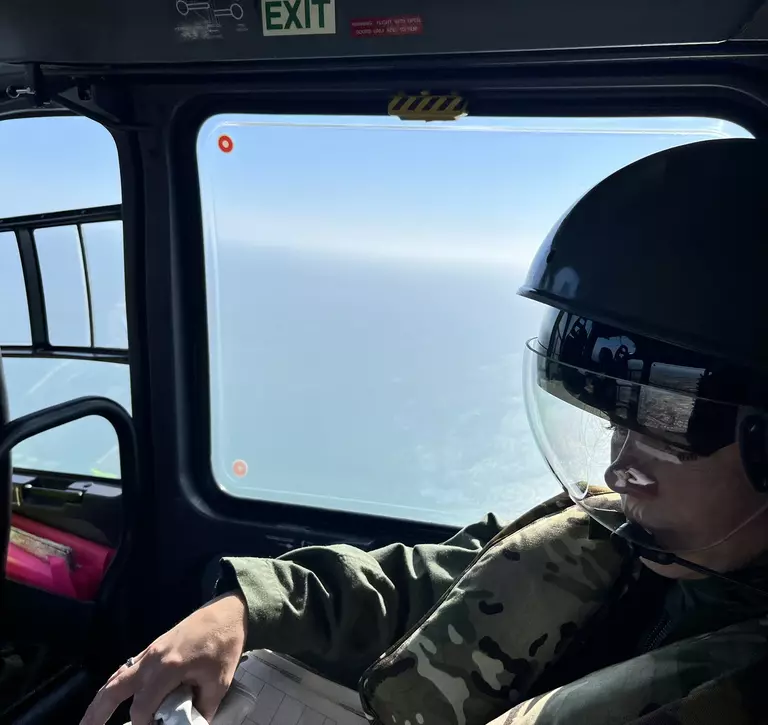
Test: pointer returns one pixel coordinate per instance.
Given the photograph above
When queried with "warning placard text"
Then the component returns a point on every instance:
(387, 27)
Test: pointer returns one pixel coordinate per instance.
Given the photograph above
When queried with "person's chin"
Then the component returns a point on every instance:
(635, 509)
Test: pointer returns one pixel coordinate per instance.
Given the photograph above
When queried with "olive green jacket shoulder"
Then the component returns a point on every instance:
(459, 633)
(337, 607)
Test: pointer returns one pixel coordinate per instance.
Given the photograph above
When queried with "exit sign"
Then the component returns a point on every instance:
(298, 17)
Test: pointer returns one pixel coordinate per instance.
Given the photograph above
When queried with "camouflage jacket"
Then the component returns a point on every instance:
(469, 626)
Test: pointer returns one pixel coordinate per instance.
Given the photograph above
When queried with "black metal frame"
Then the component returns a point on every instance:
(69, 217)
(24, 228)
(188, 519)
(23, 604)
(491, 92)
(33, 284)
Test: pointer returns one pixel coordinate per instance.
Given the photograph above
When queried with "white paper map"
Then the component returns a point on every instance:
(271, 690)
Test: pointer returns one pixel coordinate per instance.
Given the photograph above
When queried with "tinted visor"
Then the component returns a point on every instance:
(660, 391)
(676, 419)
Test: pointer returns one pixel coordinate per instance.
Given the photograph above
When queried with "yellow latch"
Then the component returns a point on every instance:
(428, 107)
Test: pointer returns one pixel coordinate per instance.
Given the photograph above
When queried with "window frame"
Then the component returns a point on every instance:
(165, 271)
(649, 96)
(269, 484)
(24, 228)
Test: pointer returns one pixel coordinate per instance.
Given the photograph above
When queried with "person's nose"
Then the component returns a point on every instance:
(625, 456)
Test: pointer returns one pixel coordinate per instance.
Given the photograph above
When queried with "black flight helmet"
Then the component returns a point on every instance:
(658, 328)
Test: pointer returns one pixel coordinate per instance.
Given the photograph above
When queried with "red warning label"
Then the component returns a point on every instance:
(387, 27)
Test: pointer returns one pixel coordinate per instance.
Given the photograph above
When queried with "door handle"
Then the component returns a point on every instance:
(55, 495)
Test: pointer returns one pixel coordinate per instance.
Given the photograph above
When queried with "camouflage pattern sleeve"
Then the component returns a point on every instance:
(337, 608)
(707, 680)
(504, 621)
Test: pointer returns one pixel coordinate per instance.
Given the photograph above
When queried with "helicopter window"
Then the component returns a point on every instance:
(63, 277)
(58, 162)
(62, 291)
(365, 335)
(14, 320)
(103, 246)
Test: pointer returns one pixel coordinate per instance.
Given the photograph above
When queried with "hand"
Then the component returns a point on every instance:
(202, 651)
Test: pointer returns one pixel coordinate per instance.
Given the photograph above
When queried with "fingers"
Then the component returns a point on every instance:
(136, 661)
(120, 687)
(158, 683)
(209, 697)
(148, 681)
(202, 651)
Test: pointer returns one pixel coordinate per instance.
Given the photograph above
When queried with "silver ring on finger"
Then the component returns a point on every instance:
(130, 662)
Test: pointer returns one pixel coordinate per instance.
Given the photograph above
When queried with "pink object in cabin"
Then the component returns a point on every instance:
(78, 578)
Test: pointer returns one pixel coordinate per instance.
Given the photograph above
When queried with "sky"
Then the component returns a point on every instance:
(456, 191)
(364, 326)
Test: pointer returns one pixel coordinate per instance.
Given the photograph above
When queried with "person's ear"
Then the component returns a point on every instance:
(753, 447)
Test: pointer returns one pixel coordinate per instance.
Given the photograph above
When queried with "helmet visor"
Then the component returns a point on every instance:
(619, 447)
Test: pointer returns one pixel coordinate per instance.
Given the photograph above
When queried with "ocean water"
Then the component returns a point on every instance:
(85, 447)
(378, 386)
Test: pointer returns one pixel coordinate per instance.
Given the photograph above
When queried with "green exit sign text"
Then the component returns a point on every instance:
(298, 17)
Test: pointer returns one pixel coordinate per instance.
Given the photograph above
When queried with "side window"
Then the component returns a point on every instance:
(365, 336)
(62, 289)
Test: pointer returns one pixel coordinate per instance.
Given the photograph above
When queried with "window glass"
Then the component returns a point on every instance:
(85, 447)
(365, 334)
(103, 243)
(66, 304)
(14, 319)
(55, 164)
